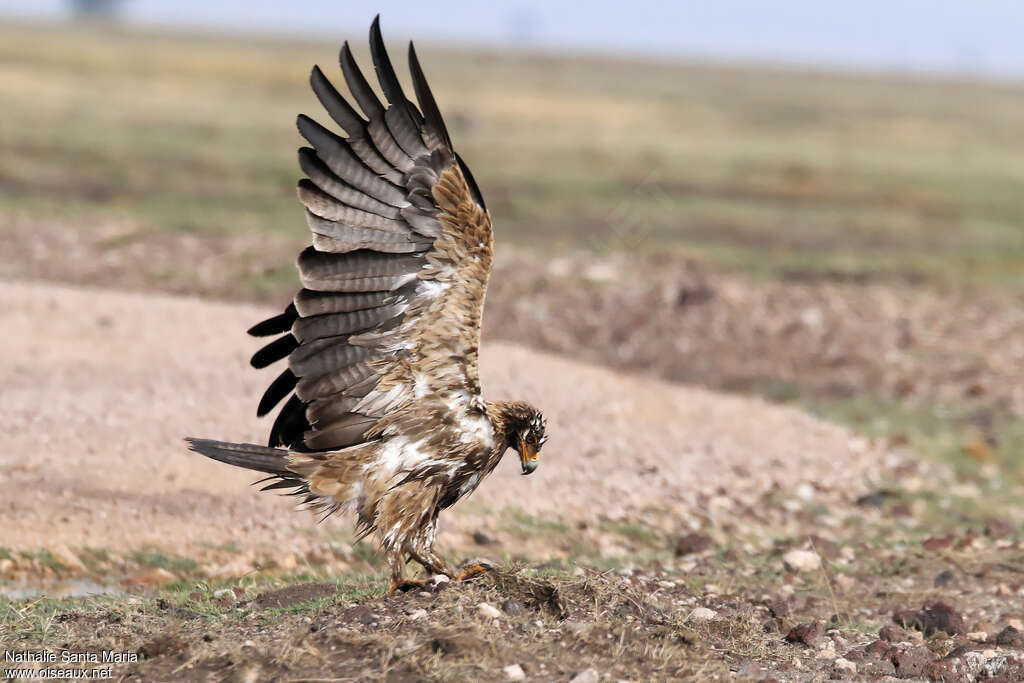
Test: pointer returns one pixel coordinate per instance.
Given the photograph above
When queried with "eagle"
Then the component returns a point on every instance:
(384, 413)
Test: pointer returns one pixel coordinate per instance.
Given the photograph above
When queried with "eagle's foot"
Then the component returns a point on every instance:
(404, 585)
(476, 566)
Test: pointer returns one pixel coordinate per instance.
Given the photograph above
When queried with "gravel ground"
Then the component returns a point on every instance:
(100, 388)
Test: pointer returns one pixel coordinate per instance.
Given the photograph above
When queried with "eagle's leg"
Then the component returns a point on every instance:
(422, 550)
(399, 581)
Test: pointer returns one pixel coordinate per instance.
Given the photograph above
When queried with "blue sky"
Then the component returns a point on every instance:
(981, 37)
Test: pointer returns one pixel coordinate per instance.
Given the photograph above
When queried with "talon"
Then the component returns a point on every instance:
(405, 585)
(472, 570)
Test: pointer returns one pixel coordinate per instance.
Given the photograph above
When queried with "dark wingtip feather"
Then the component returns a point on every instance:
(274, 351)
(428, 105)
(277, 325)
(358, 84)
(336, 105)
(277, 390)
(290, 426)
(382, 65)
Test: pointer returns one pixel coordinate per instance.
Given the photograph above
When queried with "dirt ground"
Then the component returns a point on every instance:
(103, 386)
(670, 532)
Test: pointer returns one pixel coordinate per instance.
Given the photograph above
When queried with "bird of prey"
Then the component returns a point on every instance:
(384, 413)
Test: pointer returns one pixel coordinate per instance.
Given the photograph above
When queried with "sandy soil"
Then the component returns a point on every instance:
(98, 389)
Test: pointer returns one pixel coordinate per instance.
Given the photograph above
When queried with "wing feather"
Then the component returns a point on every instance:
(393, 285)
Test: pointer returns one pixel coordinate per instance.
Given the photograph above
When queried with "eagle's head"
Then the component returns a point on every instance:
(524, 431)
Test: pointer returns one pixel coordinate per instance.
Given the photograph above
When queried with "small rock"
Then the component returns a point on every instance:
(825, 547)
(481, 537)
(986, 626)
(1011, 637)
(438, 580)
(223, 593)
(586, 676)
(845, 666)
(703, 614)
(845, 582)
(487, 611)
(514, 672)
(892, 634)
(934, 616)
(977, 636)
(801, 561)
(944, 579)
(692, 543)
(712, 589)
(937, 543)
(417, 614)
(878, 649)
(826, 650)
(364, 615)
(513, 608)
(999, 528)
(913, 662)
(808, 633)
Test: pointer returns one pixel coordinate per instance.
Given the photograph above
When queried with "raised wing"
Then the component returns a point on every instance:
(393, 285)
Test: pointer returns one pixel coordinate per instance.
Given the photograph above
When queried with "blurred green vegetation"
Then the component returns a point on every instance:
(773, 172)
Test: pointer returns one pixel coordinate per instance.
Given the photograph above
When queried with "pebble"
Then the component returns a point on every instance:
(892, 633)
(417, 614)
(224, 593)
(488, 611)
(514, 672)
(703, 614)
(513, 608)
(586, 676)
(933, 617)
(481, 537)
(692, 543)
(801, 561)
(845, 665)
(808, 633)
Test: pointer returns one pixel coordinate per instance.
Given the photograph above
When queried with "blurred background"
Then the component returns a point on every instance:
(817, 203)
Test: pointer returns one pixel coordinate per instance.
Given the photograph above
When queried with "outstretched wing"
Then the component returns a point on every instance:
(393, 285)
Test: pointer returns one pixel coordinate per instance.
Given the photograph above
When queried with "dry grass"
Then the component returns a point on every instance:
(773, 172)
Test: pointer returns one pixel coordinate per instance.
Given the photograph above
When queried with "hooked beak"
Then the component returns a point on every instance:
(528, 457)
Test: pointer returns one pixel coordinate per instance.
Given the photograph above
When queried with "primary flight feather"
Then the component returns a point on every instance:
(384, 412)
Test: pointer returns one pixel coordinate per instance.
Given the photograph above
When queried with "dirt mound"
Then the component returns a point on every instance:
(99, 388)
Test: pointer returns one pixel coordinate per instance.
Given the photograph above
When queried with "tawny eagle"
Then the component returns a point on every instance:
(385, 414)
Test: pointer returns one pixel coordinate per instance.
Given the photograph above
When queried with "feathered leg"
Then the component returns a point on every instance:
(399, 581)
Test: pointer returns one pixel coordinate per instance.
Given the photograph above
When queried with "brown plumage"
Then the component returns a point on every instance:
(384, 412)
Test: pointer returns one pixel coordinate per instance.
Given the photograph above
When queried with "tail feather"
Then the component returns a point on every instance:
(247, 455)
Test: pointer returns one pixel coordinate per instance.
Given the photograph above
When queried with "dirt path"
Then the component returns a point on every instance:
(98, 388)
